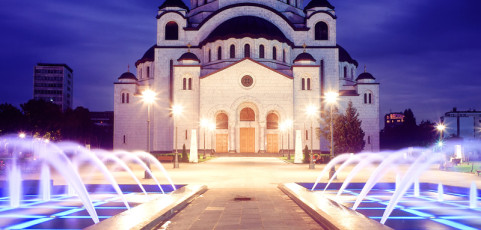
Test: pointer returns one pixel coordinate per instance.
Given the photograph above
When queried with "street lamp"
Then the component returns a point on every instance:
(206, 124)
(440, 127)
(311, 112)
(148, 97)
(176, 111)
(22, 135)
(288, 126)
(331, 99)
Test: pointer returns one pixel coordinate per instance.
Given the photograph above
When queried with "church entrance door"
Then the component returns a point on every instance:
(247, 140)
(272, 144)
(221, 143)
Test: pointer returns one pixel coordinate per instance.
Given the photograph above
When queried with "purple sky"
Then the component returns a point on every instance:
(426, 54)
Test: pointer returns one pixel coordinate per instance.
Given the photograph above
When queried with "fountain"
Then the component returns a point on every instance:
(53, 168)
(403, 201)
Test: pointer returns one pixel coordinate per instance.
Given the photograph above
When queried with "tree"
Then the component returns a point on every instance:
(77, 125)
(11, 119)
(43, 118)
(348, 134)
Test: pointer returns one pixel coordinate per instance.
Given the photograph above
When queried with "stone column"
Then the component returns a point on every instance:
(262, 137)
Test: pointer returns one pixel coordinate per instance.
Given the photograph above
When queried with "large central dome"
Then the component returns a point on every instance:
(246, 26)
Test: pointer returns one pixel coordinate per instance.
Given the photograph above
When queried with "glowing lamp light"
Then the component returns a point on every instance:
(331, 97)
(22, 135)
(148, 96)
(311, 110)
(440, 144)
(177, 109)
(440, 127)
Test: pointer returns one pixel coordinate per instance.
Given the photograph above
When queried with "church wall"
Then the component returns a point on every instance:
(181, 23)
(369, 114)
(331, 23)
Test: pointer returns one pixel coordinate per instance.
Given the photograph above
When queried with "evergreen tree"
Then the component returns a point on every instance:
(11, 119)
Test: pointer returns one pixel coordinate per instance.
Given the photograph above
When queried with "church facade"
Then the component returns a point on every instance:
(251, 69)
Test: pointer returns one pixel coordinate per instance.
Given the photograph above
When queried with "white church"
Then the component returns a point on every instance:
(249, 68)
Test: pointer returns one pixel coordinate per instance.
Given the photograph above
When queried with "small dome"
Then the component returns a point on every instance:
(148, 56)
(304, 57)
(318, 3)
(127, 75)
(345, 57)
(174, 3)
(365, 76)
(188, 57)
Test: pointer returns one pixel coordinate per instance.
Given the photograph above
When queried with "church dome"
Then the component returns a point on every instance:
(246, 26)
(318, 3)
(365, 76)
(174, 3)
(127, 76)
(345, 57)
(148, 56)
(304, 57)
(188, 57)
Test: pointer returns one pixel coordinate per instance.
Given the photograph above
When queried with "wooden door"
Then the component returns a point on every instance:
(221, 143)
(272, 143)
(247, 140)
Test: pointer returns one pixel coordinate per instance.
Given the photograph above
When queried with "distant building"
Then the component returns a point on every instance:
(463, 124)
(53, 82)
(104, 128)
(393, 119)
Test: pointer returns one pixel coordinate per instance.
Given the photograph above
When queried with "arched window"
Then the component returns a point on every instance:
(284, 56)
(123, 98)
(368, 98)
(171, 31)
(140, 73)
(247, 114)
(308, 84)
(148, 72)
(303, 84)
(261, 51)
(345, 71)
(272, 121)
(321, 31)
(232, 51)
(190, 83)
(219, 53)
(124, 139)
(274, 53)
(222, 121)
(247, 50)
(127, 98)
(210, 56)
(184, 84)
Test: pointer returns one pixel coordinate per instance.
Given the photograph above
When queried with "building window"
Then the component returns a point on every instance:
(186, 134)
(219, 53)
(232, 51)
(190, 83)
(352, 73)
(308, 84)
(222, 121)
(210, 56)
(345, 72)
(303, 84)
(127, 98)
(368, 98)
(272, 121)
(321, 31)
(247, 50)
(274, 53)
(171, 31)
(284, 56)
(307, 135)
(148, 72)
(247, 114)
(124, 139)
(261, 51)
(369, 140)
(123, 98)
(140, 74)
(184, 83)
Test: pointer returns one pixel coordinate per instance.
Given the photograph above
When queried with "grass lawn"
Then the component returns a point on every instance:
(468, 167)
(285, 159)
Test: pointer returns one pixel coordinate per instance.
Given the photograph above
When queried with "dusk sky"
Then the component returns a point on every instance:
(425, 53)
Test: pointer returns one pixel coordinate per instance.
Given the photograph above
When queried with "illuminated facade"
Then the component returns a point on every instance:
(247, 66)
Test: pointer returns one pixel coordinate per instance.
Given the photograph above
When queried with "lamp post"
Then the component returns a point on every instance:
(176, 111)
(331, 98)
(311, 111)
(441, 127)
(148, 97)
(288, 126)
(282, 137)
(204, 123)
(212, 126)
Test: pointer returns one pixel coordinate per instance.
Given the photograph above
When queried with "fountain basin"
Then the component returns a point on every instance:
(423, 212)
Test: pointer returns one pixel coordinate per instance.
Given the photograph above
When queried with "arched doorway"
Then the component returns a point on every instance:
(272, 138)
(222, 123)
(247, 134)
